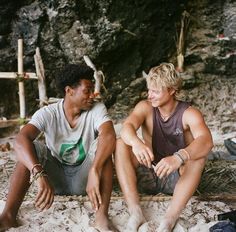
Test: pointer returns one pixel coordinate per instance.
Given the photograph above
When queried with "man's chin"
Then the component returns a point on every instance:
(88, 107)
(154, 104)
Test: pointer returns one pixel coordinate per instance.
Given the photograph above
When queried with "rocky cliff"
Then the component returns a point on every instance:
(122, 38)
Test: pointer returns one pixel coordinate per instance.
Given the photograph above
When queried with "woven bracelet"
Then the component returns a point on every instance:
(35, 165)
(37, 175)
(180, 157)
(185, 152)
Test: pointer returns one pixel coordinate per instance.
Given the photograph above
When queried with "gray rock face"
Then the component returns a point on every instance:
(122, 38)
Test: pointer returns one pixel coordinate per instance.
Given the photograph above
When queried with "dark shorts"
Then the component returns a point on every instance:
(149, 183)
(66, 179)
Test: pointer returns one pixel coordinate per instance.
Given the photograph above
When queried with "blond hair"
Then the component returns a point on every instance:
(165, 76)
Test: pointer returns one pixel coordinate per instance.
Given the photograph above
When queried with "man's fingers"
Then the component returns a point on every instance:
(98, 196)
(150, 154)
(163, 172)
(51, 200)
(40, 197)
(93, 199)
(144, 157)
(42, 201)
(46, 204)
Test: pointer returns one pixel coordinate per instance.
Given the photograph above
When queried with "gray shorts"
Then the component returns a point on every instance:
(149, 183)
(66, 179)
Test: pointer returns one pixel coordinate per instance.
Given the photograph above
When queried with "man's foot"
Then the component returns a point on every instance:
(6, 223)
(167, 224)
(102, 224)
(136, 220)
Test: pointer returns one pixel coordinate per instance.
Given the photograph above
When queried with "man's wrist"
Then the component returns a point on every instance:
(179, 157)
(184, 154)
(133, 141)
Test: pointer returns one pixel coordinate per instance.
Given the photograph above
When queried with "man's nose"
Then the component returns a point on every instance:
(149, 94)
(92, 95)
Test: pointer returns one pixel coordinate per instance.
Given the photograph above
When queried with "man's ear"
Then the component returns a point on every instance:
(69, 91)
(172, 91)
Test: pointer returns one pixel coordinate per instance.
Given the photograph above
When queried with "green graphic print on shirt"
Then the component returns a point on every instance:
(72, 152)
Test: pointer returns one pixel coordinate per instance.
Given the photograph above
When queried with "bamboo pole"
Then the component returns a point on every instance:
(21, 83)
(181, 40)
(11, 122)
(13, 75)
(41, 78)
(98, 76)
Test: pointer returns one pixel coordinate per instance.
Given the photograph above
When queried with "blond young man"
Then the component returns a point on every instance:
(171, 155)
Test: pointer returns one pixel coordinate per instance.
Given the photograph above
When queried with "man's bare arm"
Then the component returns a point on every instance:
(129, 135)
(25, 152)
(24, 147)
(105, 148)
(106, 144)
(202, 140)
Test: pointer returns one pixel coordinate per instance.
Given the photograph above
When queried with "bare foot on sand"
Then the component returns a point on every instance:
(6, 223)
(102, 224)
(136, 220)
(167, 225)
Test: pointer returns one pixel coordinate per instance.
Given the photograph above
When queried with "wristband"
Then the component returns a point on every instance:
(38, 175)
(185, 153)
(35, 165)
(180, 157)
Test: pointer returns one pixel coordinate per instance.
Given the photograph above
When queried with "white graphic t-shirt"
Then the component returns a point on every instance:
(69, 145)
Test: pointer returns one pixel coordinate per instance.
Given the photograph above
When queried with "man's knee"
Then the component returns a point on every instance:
(120, 143)
(122, 150)
(193, 166)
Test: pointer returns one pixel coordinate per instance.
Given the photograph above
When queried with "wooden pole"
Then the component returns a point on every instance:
(21, 83)
(41, 78)
(13, 75)
(98, 76)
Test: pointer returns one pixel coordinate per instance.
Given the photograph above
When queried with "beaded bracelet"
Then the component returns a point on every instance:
(35, 165)
(38, 175)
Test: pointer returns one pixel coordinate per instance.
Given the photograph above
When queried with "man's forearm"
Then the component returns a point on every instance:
(199, 148)
(105, 148)
(25, 152)
(129, 135)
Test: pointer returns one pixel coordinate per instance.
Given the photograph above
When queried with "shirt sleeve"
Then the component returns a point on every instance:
(100, 115)
(38, 119)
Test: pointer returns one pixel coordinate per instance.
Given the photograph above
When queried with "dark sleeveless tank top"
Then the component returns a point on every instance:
(168, 136)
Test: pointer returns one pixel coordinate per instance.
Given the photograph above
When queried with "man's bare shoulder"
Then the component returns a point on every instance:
(192, 111)
(139, 114)
(144, 105)
(192, 115)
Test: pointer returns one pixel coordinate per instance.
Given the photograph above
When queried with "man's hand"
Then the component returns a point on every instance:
(93, 188)
(143, 153)
(45, 196)
(167, 165)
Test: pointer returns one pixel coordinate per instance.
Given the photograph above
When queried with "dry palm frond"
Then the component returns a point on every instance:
(218, 177)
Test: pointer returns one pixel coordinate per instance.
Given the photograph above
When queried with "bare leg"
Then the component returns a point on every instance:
(19, 184)
(185, 188)
(125, 168)
(101, 216)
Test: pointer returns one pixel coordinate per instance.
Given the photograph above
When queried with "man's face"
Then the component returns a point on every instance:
(83, 94)
(158, 96)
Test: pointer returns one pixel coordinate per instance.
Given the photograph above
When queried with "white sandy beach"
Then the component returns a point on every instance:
(74, 216)
(74, 213)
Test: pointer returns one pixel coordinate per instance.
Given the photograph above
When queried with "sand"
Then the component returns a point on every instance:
(75, 215)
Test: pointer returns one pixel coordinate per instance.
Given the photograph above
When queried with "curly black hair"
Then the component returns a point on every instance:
(72, 74)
